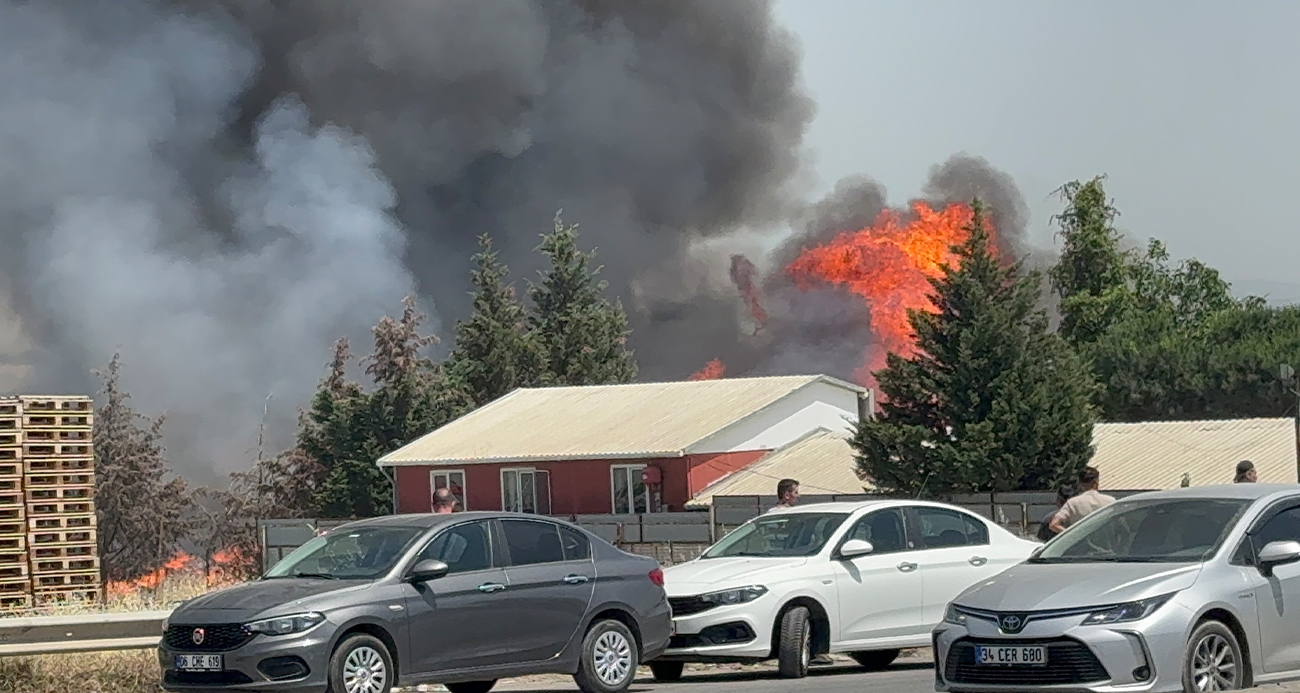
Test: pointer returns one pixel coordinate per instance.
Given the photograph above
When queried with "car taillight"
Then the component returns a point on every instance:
(657, 577)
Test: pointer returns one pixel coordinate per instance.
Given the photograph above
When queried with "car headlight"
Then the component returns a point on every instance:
(953, 616)
(286, 625)
(1123, 613)
(740, 595)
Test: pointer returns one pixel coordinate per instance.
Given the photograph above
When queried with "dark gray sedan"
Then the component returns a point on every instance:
(463, 600)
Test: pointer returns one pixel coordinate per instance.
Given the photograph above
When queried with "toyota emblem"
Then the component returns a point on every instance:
(198, 635)
(1011, 623)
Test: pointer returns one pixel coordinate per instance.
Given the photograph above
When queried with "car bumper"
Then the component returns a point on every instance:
(724, 633)
(264, 663)
(1131, 657)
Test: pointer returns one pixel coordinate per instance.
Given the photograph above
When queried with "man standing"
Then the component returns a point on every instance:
(1063, 495)
(444, 501)
(1246, 473)
(1087, 502)
(787, 493)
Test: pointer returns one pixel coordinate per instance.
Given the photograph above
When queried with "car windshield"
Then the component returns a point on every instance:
(364, 553)
(1155, 531)
(779, 535)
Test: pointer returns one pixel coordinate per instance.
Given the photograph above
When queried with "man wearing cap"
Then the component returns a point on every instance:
(1246, 473)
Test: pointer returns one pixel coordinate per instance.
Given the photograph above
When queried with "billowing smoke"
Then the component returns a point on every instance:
(221, 188)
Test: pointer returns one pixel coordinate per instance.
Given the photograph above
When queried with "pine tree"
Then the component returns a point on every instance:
(992, 401)
(495, 353)
(1092, 276)
(583, 336)
(142, 513)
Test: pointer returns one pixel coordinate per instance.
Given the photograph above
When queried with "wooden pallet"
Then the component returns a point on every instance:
(12, 528)
(11, 469)
(57, 493)
(12, 557)
(15, 571)
(67, 435)
(60, 507)
(73, 551)
(59, 465)
(9, 513)
(56, 421)
(11, 407)
(47, 597)
(9, 484)
(44, 449)
(10, 423)
(58, 403)
(7, 499)
(45, 566)
(61, 537)
(43, 523)
(10, 587)
(10, 439)
(15, 602)
(10, 454)
(62, 581)
(13, 542)
(58, 480)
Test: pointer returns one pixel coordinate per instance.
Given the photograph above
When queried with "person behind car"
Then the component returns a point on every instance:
(444, 501)
(1246, 473)
(1063, 494)
(1087, 502)
(787, 493)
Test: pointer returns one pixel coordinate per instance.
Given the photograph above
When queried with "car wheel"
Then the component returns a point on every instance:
(361, 664)
(794, 648)
(1213, 660)
(875, 660)
(471, 686)
(609, 659)
(667, 671)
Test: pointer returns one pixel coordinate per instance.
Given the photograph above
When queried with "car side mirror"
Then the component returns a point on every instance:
(1277, 553)
(856, 547)
(428, 569)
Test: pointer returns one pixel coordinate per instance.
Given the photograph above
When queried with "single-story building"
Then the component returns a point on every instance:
(619, 449)
(1157, 455)
(821, 461)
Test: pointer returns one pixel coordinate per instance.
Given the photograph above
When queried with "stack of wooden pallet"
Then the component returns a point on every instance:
(52, 507)
(15, 580)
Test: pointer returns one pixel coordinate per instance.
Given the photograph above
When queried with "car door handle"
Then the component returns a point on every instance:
(906, 567)
(490, 587)
(978, 561)
(575, 579)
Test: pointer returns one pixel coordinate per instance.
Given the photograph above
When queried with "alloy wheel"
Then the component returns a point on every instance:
(1214, 664)
(364, 671)
(612, 657)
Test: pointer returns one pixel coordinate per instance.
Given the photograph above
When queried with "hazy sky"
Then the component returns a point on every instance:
(1191, 108)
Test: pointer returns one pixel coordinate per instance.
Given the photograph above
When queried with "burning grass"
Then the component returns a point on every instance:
(133, 671)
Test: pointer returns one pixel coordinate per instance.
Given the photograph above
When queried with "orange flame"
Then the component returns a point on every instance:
(711, 371)
(225, 567)
(888, 264)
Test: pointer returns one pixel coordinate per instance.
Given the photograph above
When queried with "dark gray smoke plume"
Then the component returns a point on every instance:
(221, 188)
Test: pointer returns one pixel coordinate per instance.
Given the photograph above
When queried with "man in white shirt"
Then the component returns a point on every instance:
(1088, 501)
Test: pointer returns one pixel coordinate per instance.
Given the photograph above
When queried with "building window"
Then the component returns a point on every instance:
(629, 492)
(453, 479)
(526, 491)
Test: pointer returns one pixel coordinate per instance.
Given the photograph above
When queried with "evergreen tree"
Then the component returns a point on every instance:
(992, 401)
(1093, 273)
(582, 335)
(143, 515)
(495, 353)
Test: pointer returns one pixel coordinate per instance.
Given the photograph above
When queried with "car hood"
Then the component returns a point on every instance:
(712, 574)
(264, 598)
(1042, 586)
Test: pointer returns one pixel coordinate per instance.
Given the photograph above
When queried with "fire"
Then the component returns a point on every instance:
(889, 265)
(225, 567)
(711, 371)
(742, 275)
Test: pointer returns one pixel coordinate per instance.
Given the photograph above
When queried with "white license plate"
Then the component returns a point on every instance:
(199, 662)
(1010, 656)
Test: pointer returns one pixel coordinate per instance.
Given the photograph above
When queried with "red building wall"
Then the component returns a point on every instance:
(578, 487)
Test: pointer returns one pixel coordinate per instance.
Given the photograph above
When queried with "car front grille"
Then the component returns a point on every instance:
(1068, 661)
(686, 606)
(205, 678)
(216, 638)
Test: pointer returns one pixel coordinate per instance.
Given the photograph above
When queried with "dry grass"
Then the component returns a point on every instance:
(134, 671)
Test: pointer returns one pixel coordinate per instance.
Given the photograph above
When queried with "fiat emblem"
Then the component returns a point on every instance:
(198, 635)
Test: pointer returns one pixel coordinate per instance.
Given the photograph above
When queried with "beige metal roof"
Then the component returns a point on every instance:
(822, 461)
(639, 420)
(1155, 455)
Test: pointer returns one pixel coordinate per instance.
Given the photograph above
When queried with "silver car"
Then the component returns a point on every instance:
(1189, 590)
(462, 599)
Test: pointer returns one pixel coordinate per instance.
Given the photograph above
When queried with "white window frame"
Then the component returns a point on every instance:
(464, 485)
(518, 472)
(613, 489)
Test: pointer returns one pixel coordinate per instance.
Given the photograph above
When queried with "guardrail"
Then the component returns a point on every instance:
(93, 632)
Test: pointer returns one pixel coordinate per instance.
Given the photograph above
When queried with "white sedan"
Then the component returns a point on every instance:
(866, 579)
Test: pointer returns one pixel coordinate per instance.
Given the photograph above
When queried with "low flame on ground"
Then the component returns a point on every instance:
(712, 370)
(225, 567)
(889, 265)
